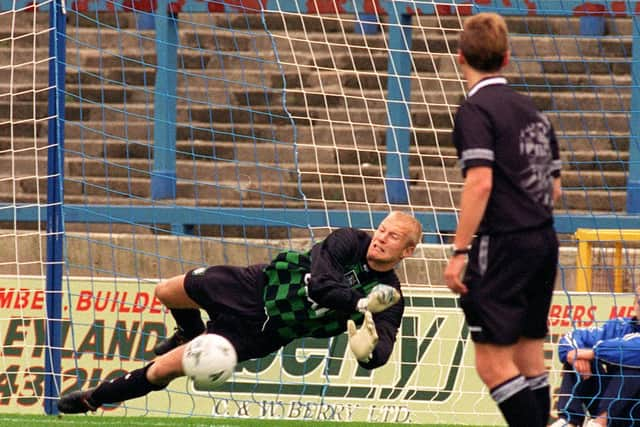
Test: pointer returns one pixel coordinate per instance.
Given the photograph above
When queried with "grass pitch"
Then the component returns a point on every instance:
(14, 420)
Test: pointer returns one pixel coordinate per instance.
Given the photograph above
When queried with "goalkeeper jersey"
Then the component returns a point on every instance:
(314, 293)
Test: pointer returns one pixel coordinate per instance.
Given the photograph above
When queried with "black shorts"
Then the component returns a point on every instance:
(232, 297)
(510, 278)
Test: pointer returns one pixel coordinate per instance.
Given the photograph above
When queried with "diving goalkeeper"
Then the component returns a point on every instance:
(344, 280)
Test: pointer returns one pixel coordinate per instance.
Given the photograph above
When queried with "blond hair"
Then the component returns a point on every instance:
(411, 222)
(484, 42)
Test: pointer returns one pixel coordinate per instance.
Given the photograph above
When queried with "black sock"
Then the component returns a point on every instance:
(540, 387)
(128, 386)
(517, 403)
(189, 320)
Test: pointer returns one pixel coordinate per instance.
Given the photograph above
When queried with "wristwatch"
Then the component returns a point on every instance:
(460, 251)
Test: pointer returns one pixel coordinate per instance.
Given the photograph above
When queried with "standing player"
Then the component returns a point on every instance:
(509, 158)
(261, 308)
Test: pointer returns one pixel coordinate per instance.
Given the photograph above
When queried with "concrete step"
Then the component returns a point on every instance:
(607, 175)
(236, 193)
(363, 59)
(251, 80)
(132, 158)
(585, 140)
(592, 91)
(592, 200)
(199, 97)
(275, 21)
(582, 170)
(563, 25)
(93, 158)
(328, 50)
(589, 180)
(355, 144)
(331, 195)
(599, 121)
(367, 139)
(351, 105)
(443, 63)
(34, 74)
(592, 101)
(308, 40)
(601, 160)
(576, 177)
(561, 46)
(25, 21)
(573, 65)
(187, 59)
(19, 57)
(526, 82)
(249, 151)
(330, 96)
(78, 168)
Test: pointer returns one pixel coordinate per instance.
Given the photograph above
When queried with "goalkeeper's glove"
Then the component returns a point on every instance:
(362, 341)
(379, 299)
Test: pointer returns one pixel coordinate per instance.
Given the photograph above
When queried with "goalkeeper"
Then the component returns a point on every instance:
(346, 279)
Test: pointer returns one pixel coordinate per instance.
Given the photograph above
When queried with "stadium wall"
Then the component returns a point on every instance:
(430, 371)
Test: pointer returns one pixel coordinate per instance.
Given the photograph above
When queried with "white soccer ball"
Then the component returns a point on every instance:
(209, 360)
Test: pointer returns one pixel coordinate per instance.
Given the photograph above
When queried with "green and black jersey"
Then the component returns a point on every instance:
(315, 293)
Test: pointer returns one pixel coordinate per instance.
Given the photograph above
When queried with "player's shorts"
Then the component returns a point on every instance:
(232, 297)
(245, 334)
(510, 278)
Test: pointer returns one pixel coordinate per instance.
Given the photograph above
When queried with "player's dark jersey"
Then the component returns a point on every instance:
(315, 293)
(502, 129)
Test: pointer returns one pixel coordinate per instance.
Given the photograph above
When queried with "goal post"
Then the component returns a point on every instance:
(54, 206)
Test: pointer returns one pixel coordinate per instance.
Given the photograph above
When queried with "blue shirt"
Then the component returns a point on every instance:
(616, 342)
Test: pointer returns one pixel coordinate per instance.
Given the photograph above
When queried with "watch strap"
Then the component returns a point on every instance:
(461, 251)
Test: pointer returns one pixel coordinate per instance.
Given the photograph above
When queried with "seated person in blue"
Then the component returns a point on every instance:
(601, 374)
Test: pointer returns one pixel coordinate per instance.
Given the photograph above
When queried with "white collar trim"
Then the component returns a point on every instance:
(486, 82)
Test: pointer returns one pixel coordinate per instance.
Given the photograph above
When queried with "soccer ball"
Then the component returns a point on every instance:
(209, 360)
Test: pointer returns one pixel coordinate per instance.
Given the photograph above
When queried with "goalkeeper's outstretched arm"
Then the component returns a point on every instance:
(386, 326)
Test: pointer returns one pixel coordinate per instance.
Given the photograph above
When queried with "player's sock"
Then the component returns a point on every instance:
(189, 321)
(190, 325)
(517, 403)
(540, 387)
(128, 386)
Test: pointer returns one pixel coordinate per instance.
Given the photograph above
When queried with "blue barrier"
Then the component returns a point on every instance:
(433, 222)
(398, 96)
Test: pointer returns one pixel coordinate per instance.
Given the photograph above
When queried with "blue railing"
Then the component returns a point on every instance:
(434, 223)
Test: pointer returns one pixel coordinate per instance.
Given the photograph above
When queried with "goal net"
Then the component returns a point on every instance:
(140, 139)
